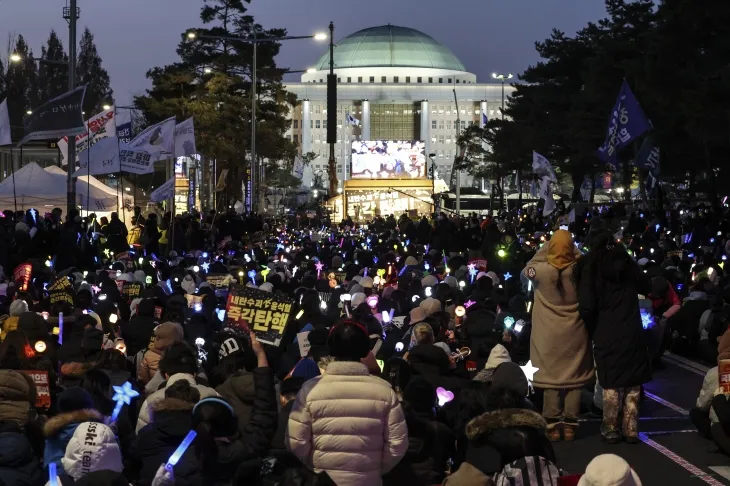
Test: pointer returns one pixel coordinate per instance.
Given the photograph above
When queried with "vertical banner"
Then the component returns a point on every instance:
(124, 125)
(248, 200)
(191, 187)
(21, 276)
(99, 126)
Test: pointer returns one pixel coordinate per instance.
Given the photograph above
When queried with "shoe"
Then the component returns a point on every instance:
(554, 434)
(611, 437)
(569, 433)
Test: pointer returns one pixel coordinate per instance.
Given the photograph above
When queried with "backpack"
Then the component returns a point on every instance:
(528, 471)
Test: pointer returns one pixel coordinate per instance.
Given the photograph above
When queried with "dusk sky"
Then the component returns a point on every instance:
(135, 35)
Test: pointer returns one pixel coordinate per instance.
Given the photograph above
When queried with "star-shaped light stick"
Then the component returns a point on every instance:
(529, 371)
(507, 276)
(205, 266)
(472, 271)
(319, 266)
(469, 303)
(123, 394)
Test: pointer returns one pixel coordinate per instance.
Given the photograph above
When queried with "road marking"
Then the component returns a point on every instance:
(723, 471)
(680, 461)
(685, 363)
(667, 404)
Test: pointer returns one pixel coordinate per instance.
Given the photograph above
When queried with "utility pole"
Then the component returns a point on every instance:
(254, 167)
(332, 116)
(71, 14)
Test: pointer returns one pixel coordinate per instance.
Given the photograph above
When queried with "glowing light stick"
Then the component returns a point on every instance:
(265, 272)
(122, 394)
(33, 213)
(319, 266)
(52, 474)
(529, 371)
(444, 396)
(375, 260)
(469, 303)
(428, 291)
(460, 311)
(509, 321)
(507, 276)
(398, 347)
(252, 276)
(205, 266)
(342, 241)
(175, 457)
(472, 271)
(60, 328)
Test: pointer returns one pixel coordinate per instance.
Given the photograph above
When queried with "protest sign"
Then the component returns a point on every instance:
(303, 342)
(60, 284)
(194, 300)
(219, 281)
(479, 263)
(263, 313)
(21, 276)
(131, 290)
(60, 296)
(42, 387)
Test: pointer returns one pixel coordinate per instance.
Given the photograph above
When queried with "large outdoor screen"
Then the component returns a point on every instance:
(388, 159)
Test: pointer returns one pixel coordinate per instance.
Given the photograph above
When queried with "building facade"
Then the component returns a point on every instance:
(397, 84)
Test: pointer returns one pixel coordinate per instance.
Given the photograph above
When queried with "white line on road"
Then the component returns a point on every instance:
(667, 404)
(680, 461)
(685, 363)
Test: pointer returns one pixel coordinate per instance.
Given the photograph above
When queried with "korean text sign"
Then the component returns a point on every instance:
(262, 312)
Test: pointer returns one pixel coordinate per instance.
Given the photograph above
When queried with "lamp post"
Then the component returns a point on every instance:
(502, 77)
(255, 41)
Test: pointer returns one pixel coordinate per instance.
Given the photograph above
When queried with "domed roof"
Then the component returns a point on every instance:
(391, 46)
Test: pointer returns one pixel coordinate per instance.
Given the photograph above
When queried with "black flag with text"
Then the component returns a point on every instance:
(60, 117)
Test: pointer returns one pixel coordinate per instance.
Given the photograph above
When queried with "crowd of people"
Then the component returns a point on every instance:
(429, 351)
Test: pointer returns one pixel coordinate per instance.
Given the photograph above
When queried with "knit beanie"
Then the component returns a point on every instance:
(18, 307)
(417, 315)
(510, 375)
(306, 368)
(609, 470)
(73, 399)
(430, 306)
(168, 333)
(723, 348)
(411, 260)
(497, 356)
(420, 394)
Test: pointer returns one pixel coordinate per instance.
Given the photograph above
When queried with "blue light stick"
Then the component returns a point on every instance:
(175, 457)
(122, 394)
(52, 474)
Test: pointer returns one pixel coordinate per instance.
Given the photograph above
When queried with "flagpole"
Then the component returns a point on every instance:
(12, 170)
(88, 167)
(119, 186)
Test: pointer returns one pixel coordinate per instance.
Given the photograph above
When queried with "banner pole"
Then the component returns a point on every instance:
(88, 167)
(12, 170)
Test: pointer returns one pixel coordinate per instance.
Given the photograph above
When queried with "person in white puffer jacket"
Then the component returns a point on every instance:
(348, 423)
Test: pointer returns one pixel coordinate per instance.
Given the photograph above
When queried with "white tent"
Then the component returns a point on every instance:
(40, 189)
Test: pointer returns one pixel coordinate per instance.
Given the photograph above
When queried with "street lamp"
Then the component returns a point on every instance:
(255, 41)
(107, 107)
(15, 57)
(502, 78)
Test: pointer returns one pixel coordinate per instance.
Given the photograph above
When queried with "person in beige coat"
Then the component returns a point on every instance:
(348, 423)
(560, 346)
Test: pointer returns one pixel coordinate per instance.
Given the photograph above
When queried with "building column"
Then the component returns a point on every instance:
(306, 127)
(483, 109)
(426, 129)
(365, 122)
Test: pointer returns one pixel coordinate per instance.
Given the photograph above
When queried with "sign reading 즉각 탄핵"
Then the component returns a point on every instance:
(261, 312)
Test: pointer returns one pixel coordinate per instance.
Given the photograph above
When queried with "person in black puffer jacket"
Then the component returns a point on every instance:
(430, 443)
(171, 421)
(433, 364)
(18, 465)
(140, 328)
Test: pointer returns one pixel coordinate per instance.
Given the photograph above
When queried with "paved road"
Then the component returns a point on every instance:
(671, 451)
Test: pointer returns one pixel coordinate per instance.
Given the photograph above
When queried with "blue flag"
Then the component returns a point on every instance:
(626, 123)
(648, 158)
(485, 119)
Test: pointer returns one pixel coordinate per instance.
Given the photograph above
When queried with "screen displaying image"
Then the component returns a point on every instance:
(388, 159)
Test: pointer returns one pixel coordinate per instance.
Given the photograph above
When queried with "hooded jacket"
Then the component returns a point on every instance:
(166, 334)
(17, 393)
(18, 464)
(433, 364)
(140, 328)
(93, 447)
(59, 430)
(144, 413)
(498, 356)
(240, 392)
(171, 421)
(350, 404)
(514, 433)
(559, 344)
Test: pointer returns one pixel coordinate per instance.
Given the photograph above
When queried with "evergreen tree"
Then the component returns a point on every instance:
(89, 71)
(212, 82)
(21, 86)
(53, 78)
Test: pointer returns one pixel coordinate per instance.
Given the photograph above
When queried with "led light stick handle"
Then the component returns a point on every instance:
(60, 328)
(175, 457)
(52, 474)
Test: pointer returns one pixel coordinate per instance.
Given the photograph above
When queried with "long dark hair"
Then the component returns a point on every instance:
(15, 351)
(606, 259)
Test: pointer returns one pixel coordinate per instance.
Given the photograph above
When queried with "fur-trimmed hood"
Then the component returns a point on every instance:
(170, 405)
(55, 424)
(489, 422)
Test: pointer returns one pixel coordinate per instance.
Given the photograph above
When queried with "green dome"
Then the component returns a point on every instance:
(391, 46)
